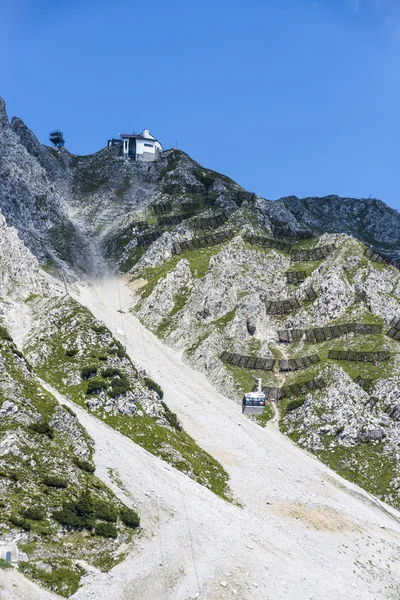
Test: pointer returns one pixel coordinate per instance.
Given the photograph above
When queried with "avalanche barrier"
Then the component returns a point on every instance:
(394, 331)
(286, 336)
(201, 242)
(162, 208)
(293, 364)
(265, 242)
(139, 225)
(210, 222)
(174, 219)
(310, 294)
(312, 254)
(248, 362)
(299, 389)
(272, 393)
(281, 307)
(190, 206)
(243, 196)
(296, 389)
(148, 238)
(290, 234)
(364, 383)
(375, 257)
(320, 334)
(296, 276)
(359, 356)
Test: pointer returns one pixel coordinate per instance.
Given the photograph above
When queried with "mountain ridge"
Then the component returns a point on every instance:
(234, 284)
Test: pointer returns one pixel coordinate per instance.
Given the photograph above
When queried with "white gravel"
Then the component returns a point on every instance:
(301, 530)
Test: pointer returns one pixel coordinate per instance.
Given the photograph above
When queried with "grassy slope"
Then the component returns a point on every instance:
(51, 550)
(99, 349)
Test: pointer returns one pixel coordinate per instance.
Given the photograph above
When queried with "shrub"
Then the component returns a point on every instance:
(119, 385)
(13, 476)
(85, 465)
(34, 513)
(103, 357)
(95, 385)
(4, 335)
(129, 517)
(99, 328)
(77, 515)
(106, 511)
(111, 372)
(71, 352)
(59, 579)
(2, 504)
(89, 371)
(17, 353)
(55, 481)
(107, 530)
(152, 385)
(20, 522)
(68, 409)
(293, 404)
(42, 427)
(171, 417)
(4, 564)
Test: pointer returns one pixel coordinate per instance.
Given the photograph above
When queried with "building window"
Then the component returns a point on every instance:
(149, 145)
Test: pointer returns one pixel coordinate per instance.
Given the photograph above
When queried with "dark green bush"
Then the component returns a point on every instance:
(4, 334)
(171, 417)
(2, 504)
(55, 481)
(61, 580)
(68, 409)
(4, 564)
(293, 404)
(71, 352)
(42, 427)
(95, 385)
(103, 357)
(129, 517)
(34, 513)
(107, 530)
(99, 328)
(13, 476)
(85, 465)
(77, 515)
(89, 371)
(20, 522)
(119, 385)
(105, 511)
(111, 372)
(152, 385)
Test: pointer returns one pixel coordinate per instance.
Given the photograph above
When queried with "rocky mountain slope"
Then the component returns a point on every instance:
(302, 293)
(50, 497)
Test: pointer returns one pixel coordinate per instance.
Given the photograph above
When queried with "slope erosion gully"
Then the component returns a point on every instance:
(298, 530)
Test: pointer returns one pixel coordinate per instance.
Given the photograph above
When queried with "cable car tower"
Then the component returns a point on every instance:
(57, 138)
(253, 403)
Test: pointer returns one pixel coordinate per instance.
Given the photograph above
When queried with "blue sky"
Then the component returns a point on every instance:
(285, 97)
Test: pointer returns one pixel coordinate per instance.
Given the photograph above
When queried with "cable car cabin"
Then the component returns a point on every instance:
(253, 403)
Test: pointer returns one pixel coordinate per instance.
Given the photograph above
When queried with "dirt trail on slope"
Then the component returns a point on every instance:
(303, 532)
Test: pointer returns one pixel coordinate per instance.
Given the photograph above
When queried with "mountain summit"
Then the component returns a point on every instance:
(148, 296)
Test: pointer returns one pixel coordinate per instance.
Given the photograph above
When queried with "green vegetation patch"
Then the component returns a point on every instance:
(367, 465)
(61, 579)
(175, 447)
(86, 386)
(34, 497)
